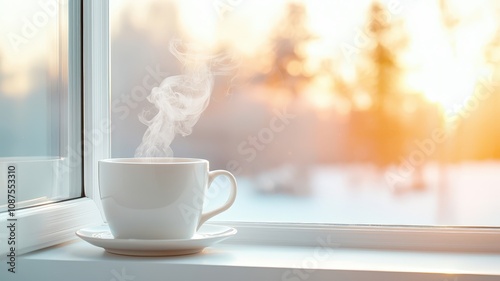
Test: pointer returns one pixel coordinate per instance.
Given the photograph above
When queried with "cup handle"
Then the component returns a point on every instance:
(232, 195)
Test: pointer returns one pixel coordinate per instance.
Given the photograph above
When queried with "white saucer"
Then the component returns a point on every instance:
(207, 235)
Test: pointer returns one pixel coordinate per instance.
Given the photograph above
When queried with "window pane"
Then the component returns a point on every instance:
(36, 120)
(361, 112)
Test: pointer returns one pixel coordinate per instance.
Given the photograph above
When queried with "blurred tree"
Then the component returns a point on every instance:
(379, 73)
(390, 118)
(288, 42)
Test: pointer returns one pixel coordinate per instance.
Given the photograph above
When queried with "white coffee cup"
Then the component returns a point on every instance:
(157, 198)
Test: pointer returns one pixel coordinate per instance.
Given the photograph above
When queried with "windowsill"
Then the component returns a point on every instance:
(77, 260)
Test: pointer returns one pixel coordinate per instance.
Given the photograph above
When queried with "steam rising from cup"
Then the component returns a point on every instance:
(180, 99)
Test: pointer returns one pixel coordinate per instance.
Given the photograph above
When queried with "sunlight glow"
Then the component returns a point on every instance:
(442, 61)
(316, 94)
(448, 61)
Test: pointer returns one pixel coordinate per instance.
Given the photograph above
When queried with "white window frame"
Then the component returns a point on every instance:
(60, 176)
(56, 223)
(47, 225)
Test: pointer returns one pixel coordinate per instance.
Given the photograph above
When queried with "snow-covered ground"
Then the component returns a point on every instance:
(459, 194)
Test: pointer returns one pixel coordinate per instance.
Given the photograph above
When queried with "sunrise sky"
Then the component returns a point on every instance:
(444, 61)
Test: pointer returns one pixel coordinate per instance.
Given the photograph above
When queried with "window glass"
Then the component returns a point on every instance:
(36, 120)
(353, 112)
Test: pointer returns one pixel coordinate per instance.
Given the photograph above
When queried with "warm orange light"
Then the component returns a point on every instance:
(443, 60)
